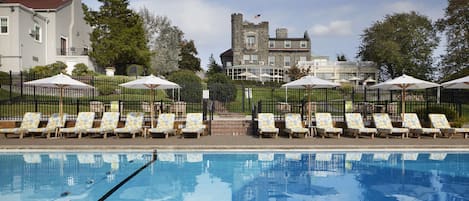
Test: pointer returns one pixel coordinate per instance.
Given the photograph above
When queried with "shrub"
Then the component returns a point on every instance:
(191, 90)
(57, 67)
(105, 89)
(81, 70)
(4, 78)
(450, 113)
(221, 88)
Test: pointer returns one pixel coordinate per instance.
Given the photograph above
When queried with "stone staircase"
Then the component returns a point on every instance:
(231, 127)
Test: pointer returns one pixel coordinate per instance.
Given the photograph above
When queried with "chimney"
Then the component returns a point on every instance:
(281, 33)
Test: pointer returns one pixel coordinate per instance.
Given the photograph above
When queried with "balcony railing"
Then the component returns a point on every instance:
(72, 51)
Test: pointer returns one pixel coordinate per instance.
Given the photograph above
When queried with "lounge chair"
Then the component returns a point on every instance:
(439, 121)
(133, 125)
(53, 125)
(267, 125)
(356, 127)
(164, 127)
(30, 120)
(194, 125)
(325, 126)
(294, 126)
(412, 122)
(108, 124)
(84, 121)
(384, 126)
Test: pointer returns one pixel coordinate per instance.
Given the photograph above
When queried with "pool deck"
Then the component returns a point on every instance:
(241, 142)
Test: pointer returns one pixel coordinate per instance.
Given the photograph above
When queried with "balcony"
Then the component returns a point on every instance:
(72, 51)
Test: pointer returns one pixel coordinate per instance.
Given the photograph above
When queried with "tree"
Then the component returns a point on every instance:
(213, 67)
(221, 88)
(191, 85)
(296, 73)
(163, 41)
(118, 37)
(189, 61)
(401, 43)
(455, 25)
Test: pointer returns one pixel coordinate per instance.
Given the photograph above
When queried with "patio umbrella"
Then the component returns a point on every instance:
(404, 83)
(248, 74)
(150, 82)
(310, 82)
(60, 81)
(355, 79)
(461, 83)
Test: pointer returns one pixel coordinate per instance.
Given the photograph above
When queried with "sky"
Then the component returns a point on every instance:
(334, 26)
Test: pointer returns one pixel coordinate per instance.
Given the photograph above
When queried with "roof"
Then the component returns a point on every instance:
(227, 53)
(42, 4)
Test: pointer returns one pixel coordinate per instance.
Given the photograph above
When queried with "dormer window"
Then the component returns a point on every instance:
(287, 44)
(271, 44)
(303, 44)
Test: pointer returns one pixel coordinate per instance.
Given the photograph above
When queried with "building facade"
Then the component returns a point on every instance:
(42, 32)
(254, 55)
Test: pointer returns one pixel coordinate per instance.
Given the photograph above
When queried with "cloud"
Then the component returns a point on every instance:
(336, 28)
(401, 7)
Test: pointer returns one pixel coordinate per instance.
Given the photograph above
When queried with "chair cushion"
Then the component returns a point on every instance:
(161, 130)
(354, 120)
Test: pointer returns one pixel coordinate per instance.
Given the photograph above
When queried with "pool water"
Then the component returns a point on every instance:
(224, 176)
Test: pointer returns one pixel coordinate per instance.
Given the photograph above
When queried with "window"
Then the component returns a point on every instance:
(246, 57)
(287, 44)
(37, 33)
(303, 44)
(302, 58)
(250, 41)
(254, 57)
(271, 44)
(3, 25)
(271, 60)
(286, 61)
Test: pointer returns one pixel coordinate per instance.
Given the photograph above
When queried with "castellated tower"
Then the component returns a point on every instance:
(248, 38)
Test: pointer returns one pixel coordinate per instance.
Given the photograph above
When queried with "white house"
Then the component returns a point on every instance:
(40, 32)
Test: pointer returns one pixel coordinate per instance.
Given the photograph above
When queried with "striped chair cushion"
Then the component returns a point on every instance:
(439, 121)
(354, 120)
(382, 120)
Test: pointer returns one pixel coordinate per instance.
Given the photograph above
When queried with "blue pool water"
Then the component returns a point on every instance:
(224, 176)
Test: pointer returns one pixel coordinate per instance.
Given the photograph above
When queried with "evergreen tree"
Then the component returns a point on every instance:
(455, 25)
(213, 67)
(189, 61)
(118, 36)
(401, 43)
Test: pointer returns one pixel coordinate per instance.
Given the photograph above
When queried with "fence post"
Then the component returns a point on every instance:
(78, 106)
(379, 95)
(259, 106)
(390, 92)
(242, 94)
(302, 109)
(11, 83)
(353, 94)
(204, 109)
(35, 105)
(21, 83)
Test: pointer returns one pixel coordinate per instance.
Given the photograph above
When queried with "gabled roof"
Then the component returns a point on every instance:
(40, 4)
(227, 53)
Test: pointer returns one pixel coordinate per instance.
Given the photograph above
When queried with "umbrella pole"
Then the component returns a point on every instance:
(151, 107)
(61, 112)
(309, 107)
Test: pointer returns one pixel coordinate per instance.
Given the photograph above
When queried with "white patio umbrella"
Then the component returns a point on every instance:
(461, 83)
(404, 83)
(310, 82)
(60, 81)
(150, 82)
(248, 74)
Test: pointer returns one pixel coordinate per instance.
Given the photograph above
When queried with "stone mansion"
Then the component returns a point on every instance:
(254, 55)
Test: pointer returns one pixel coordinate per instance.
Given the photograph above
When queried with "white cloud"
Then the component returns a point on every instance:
(337, 28)
(401, 7)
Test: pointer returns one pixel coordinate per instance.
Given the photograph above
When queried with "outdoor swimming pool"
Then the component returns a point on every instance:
(238, 176)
